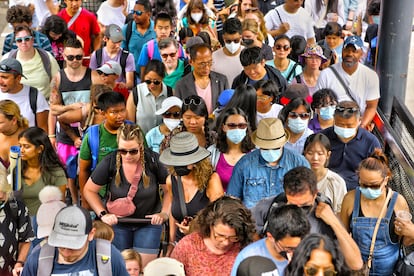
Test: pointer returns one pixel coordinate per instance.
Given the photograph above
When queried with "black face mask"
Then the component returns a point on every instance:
(182, 170)
(248, 42)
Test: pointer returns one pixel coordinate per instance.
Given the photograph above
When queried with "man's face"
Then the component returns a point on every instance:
(108, 79)
(255, 71)
(115, 116)
(293, 4)
(143, 18)
(74, 255)
(163, 29)
(112, 46)
(70, 55)
(302, 199)
(169, 56)
(286, 246)
(351, 56)
(351, 122)
(9, 83)
(72, 6)
(232, 38)
(24, 41)
(203, 62)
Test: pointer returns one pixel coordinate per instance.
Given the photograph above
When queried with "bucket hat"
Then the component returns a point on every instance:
(270, 134)
(184, 150)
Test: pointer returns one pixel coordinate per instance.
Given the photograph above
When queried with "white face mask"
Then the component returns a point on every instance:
(232, 47)
(171, 123)
(197, 16)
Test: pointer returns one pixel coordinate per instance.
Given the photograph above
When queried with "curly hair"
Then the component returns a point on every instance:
(228, 211)
(292, 105)
(304, 250)
(56, 24)
(19, 14)
(202, 173)
(323, 97)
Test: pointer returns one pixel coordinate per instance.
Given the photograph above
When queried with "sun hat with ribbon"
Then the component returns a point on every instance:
(270, 134)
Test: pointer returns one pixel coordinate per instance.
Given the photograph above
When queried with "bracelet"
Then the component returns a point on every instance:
(20, 262)
(52, 136)
(174, 243)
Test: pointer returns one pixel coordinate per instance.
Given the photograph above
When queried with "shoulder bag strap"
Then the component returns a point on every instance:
(73, 19)
(278, 14)
(134, 185)
(341, 80)
(374, 235)
(181, 196)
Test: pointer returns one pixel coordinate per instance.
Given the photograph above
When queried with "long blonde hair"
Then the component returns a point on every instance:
(202, 173)
(128, 132)
(253, 26)
(11, 110)
(5, 187)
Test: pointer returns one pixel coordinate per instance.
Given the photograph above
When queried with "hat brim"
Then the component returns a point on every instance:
(303, 56)
(169, 159)
(65, 241)
(269, 143)
(162, 110)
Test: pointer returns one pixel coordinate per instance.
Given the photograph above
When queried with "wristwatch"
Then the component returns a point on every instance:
(103, 213)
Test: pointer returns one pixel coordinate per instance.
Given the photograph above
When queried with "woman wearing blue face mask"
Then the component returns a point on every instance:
(324, 102)
(362, 207)
(295, 116)
(233, 141)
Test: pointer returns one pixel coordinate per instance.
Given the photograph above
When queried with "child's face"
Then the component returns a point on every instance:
(163, 29)
(132, 267)
(115, 116)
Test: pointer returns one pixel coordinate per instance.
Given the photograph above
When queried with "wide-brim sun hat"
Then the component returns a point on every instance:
(270, 134)
(184, 150)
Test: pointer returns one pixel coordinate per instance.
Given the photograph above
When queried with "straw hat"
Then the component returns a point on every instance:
(184, 150)
(270, 134)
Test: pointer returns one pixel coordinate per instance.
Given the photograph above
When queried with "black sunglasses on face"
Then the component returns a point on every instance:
(234, 126)
(294, 115)
(155, 82)
(228, 41)
(131, 152)
(172, 55)
(100, 73)
(73, 57)
(196, 101)
(280, 47)
(139, 13)
(175, 115)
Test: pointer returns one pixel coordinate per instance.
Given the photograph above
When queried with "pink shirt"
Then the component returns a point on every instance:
(206, 95)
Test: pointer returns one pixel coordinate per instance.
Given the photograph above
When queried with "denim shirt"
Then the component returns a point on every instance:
(254, 179)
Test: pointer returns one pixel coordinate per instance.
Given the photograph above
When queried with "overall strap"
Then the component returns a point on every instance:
(390, 210)
(357, 200)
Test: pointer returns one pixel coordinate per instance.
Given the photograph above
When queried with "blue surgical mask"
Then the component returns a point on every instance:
(344, 132)
(271, 155)
(297, 125)
(327, 112)
(236, 135)
(370, 193)
(376, 19)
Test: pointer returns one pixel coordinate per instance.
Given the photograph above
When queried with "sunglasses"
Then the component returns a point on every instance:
(228, 41)
(139, 13)
(374, 186)
(5, 68)
(341, 109)
(25, 39)
(234, 126)
(155, 82)
(196, 101)
(171, 55)
(294, 115)
(280, 47)
(131, 152)
(175, 115)
(311, 271)
(73, 57)
(100, 73)
(251, 10)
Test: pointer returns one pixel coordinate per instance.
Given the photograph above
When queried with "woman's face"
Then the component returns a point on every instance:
(6, 125)
(132, 267)
(372, 179)
(333, 41)
(319, 263)
(130, 150)
(28, 151)
(235, 121)
(282, 48)
(223, 236)
(249, 35)
(313, 62)
(317, 156)
(153, 81)
(264, 102)
(193, 123)
(54, 36)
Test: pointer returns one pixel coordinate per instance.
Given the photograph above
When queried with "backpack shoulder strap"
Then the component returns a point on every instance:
(13, 53)
(151, 48)
(45, 264)
(292, 71)
(46, 62)
(33, 93)
(169, 91)
(135, 95)
(128, 34)
(103, 257)
(98, 55)
(93, 141)
(341, 80)
(37, 37)
(123, 61)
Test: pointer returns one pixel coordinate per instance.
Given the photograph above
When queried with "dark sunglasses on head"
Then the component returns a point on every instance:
(131, 152)
(342, 109)
(155, 82)
(25, 39)
(172, 55)
(175, 115)
(196, 101)
(100, 73)
(228, 41)
(139, 13)
(5, 68)
(280, 47)
(294, 115)
(72, 57)
(234, 126)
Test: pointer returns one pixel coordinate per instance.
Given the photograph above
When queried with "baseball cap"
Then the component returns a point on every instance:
(164, 266)
(168, 103)
(114, 33)
(110, 67)
(11, 66)
(257, 265)
(194, 40)
(71, 228)
(354, 40)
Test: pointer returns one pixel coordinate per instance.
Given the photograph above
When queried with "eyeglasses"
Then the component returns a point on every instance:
(171, 55)
(374, 186)
(131, 152)
(285, 250)
(312, 271)
(228, 41)
(234, 126)
(155, 82)
(280, 47)
(72, 57)
(25, 39)
(294, 115)
(171, 114)
(195, 101)
(139, 13)
(205, 64)
(342, 109)
(263, 98)
(222, 238)
(100, 73)
(5, 68)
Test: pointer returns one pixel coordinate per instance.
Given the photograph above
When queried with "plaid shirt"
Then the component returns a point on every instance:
(40, 41)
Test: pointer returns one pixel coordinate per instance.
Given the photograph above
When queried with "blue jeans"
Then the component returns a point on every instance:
(144, 239)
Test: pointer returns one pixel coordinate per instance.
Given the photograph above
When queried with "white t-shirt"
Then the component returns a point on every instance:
(41, 10)
(272, 113)
(109, 15)
(229, 66)
(363, 83)
(22, 99)
(334, 187)
(300, 22)
(310, 7)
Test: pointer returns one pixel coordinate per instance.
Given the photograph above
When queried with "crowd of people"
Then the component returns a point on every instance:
(194, 138)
